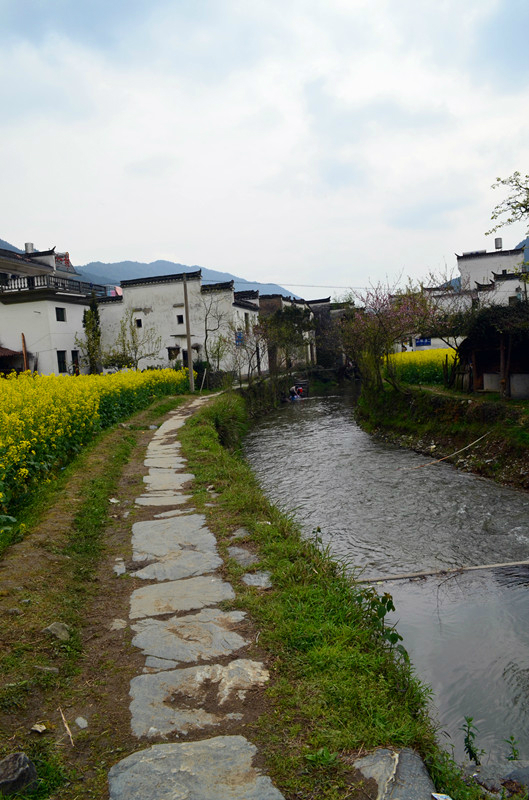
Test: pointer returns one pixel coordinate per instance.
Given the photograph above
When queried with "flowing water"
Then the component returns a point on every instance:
(379, 508)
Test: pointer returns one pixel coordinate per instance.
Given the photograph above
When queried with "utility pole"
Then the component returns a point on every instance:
(188, 336)
(24, 353)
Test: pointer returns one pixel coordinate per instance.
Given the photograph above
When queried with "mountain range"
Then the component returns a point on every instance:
(113, 273)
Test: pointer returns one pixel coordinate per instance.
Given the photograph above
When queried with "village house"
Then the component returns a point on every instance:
(495, 277)
(219, 321)
(42, 301)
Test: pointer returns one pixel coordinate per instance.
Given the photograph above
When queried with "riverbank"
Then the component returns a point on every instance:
(475, 434)
(338, 684)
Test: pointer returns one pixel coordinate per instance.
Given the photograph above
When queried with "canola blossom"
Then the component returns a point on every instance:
(45, 419)
(422, 366)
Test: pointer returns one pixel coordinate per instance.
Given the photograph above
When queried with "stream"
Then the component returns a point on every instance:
(387, 511)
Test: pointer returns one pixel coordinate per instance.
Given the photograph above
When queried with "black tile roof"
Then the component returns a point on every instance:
(224, 286)
(179, 277)
(246, 304)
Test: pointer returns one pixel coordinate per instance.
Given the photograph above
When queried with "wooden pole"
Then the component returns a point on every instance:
(188, 337)
(440, 572)
(24, 353)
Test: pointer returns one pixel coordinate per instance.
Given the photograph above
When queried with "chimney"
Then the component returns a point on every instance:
(498, 244)
(29, 247)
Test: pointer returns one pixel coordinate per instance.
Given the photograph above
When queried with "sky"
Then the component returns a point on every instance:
(319, 145)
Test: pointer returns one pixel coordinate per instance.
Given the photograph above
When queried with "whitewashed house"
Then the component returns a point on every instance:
(219, 321)
(42, 301)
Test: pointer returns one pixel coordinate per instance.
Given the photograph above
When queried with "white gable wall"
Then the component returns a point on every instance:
(160, 307)
(44, 334)
(480, 266)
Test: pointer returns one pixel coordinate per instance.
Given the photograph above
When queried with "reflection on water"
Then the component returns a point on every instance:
(468, 638)
(384, 513)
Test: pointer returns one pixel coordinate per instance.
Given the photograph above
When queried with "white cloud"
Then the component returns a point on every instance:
(279, 141)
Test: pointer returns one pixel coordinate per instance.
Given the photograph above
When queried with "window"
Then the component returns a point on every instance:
(61, 360)
(180, 319)
(246, 322)
(139, 323)
(173, 353)
(60, 315)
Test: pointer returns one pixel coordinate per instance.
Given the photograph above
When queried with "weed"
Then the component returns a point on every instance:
(470, 732)
(322, 758)
(514, 753)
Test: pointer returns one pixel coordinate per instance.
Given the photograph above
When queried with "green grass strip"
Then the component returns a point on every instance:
(340, 683)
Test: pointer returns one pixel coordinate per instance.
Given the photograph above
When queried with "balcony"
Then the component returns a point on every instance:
(49, 282)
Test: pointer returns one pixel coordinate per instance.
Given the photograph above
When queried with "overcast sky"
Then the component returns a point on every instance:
(323, 143)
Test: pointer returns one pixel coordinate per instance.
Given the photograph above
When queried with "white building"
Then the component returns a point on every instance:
(494, 277)
(42, 301)
(221, 321)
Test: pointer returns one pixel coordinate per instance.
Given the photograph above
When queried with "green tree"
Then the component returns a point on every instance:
(90, 345)
(515, 207)
(285, 332)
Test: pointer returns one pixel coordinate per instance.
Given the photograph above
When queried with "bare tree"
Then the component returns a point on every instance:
(133, 344)
(216, 327)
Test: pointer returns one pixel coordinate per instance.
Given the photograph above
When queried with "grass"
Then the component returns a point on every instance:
(338, 686)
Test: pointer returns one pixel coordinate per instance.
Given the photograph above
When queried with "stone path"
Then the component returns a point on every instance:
(196, 676)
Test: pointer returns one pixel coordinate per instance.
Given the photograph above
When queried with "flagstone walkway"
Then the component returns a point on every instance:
(196, 676)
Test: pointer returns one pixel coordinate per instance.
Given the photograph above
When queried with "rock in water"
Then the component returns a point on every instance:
(17, 772)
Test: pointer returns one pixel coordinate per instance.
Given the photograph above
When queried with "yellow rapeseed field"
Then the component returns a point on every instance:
(422, 366)
(45, 419)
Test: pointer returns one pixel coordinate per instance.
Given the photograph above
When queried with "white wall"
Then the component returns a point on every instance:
(159, 306)
(481, 266)
(44, 334)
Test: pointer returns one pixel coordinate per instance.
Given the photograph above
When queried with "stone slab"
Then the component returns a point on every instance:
(165, 537)
(400, 774)
(163, 449)
(162, 499)
(184, 564)
(213, 769)
(197, 637)
(412, 781)
(242, 556)
(170, 426)
(157, 664)
(168, 702)
(165, 462)
(240, 533)
(183, 595)
(175, 512)
(261, 580)
(163, 480)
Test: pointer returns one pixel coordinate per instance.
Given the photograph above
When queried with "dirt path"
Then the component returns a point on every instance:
(198, 676)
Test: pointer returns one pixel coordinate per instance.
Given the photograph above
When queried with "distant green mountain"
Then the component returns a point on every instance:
(113, 274)
(6, 246)
(99, 272)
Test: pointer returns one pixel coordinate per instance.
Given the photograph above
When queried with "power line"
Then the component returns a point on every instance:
(287, 283)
